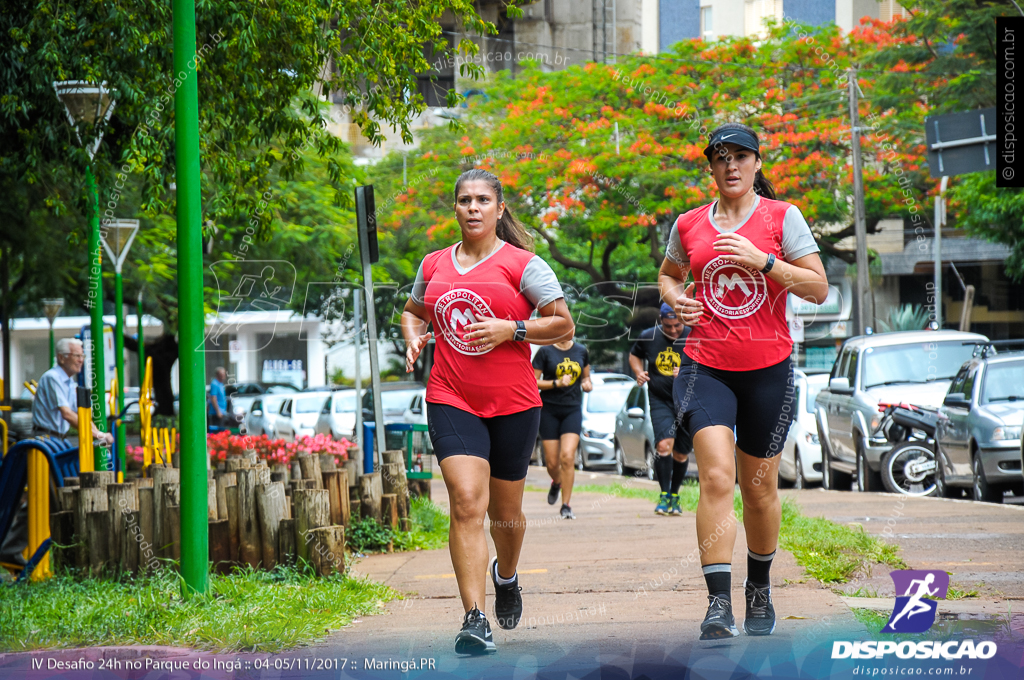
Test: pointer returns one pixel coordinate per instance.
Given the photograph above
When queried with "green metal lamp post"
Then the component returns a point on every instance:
(142, 349)
(191, 360)
(117, 240)
(92, 105)
(52, 307)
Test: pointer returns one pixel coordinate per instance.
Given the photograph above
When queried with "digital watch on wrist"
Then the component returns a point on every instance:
(769, 264)
(520, 334)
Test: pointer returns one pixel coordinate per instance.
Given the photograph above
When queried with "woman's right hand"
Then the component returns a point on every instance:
(689, 310)
(415, 346)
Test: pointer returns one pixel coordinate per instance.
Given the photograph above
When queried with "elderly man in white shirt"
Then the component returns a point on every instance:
(55, 409)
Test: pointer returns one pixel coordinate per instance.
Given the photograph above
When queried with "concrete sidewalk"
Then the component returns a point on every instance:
(616, 577)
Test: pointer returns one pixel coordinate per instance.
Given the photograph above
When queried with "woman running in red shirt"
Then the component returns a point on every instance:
(483, 408)
(747, 252)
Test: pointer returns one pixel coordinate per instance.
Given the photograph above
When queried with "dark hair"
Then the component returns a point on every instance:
(762, 187)
(508, 229)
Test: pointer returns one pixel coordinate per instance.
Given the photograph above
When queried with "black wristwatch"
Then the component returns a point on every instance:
(520, 335)
(768, 265)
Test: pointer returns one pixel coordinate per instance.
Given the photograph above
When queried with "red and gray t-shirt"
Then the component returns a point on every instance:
(510, 283)
(744, 326)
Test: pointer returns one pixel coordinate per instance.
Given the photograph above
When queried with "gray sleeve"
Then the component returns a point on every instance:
(797, 239)
(674, 248)
(419, 287)
(539, 283)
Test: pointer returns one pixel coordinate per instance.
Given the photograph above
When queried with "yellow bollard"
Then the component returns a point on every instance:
(174, 440)
(38, 510)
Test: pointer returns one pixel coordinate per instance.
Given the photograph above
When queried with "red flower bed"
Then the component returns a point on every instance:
(224, 444)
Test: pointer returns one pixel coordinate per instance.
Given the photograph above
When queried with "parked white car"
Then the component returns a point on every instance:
(416, 412)
(800, 464)
(600, 406)
(263, 415)
(299, 415)
(338, 415)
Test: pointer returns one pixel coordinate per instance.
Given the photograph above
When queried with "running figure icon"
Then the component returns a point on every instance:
(918, 597)
(914, 604)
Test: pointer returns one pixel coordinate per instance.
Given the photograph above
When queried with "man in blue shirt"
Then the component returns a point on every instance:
(217, 410)
(55, 408)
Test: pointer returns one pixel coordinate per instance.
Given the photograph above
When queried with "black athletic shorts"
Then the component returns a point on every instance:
(506, 442)
(558, 420)
(759, 404)
(667, 426)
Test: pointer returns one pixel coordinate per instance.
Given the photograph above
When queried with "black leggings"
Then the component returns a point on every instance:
(760, 405)
(506, 442)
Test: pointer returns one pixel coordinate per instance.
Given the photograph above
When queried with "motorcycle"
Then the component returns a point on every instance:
(909, 468)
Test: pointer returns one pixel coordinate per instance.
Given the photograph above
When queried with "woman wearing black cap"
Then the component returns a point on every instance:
(747, 251)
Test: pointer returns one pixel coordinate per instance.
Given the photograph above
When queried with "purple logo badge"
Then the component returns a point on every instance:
(916, 592)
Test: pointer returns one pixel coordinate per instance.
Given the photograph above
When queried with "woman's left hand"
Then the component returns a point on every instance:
(489, 332)
(739, 249)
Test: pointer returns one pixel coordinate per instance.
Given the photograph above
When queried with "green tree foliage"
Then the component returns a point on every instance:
(954, 41)
(600, 203)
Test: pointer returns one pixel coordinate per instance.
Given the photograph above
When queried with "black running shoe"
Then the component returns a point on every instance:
(508, 603)
(718, 622)
(475, 636)
(760, 618)
(553, 493)
(566, 512)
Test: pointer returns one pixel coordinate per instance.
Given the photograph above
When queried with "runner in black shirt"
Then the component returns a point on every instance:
(563, 375)
(662, 348)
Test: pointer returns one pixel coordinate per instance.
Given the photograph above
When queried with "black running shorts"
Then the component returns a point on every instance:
(558, 420)
(506, 442)
(667, 426)
(759, 404)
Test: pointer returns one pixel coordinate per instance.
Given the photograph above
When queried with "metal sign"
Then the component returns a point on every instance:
(960, 143)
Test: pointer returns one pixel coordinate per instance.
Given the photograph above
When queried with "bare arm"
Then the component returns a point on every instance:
(554, 325)
(414, 330)
(71, 416)
(543, 384)
(803, 277)
(637, 365)
(586, 385)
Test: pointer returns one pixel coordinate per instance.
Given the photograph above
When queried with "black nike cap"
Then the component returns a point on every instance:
(736, 136)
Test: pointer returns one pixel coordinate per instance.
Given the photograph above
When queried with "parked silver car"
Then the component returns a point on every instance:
(800, 464)
(338, 415)
(299, 415)
(264, 414)
(913, 367)
(634, 436)
(980, 428)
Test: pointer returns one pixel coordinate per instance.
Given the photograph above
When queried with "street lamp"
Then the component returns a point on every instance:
(52, 307)
(117, 240)
(92, 105)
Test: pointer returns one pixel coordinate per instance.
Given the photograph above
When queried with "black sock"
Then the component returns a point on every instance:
(663, 471)
(719, 579)
(678, 473)
(759, 568)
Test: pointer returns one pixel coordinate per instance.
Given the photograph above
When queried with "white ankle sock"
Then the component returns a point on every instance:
(500, 580)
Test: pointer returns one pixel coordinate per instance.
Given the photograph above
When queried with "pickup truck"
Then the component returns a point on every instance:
(914, 367)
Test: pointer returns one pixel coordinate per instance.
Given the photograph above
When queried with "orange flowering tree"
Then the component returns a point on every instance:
(598, 160)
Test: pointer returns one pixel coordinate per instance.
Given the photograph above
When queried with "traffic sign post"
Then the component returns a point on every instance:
(958, 144)
(366, 222)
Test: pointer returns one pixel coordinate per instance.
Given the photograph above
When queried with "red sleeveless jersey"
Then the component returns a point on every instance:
(744, 325)
(492, 382)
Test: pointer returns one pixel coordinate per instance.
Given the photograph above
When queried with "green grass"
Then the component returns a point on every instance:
(872, 620)
(249, 610)
(429, 531)
(829, 552)
(955, 593)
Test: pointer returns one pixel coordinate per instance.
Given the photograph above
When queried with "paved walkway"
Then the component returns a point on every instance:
(617, 580)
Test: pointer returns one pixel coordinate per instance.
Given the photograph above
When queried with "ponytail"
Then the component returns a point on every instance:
(762, 187)
(508, 229)
(512, 231)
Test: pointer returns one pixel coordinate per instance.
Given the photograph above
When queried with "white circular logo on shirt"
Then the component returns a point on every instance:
(732, 290)
(455, 310)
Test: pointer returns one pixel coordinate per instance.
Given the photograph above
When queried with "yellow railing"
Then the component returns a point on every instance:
(38, 510)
